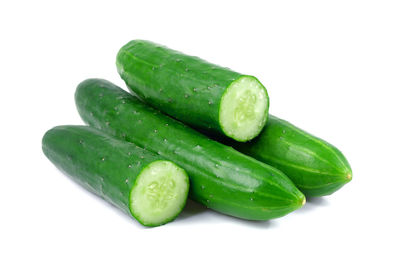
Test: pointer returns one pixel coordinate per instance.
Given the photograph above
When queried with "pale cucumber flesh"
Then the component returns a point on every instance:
(159, 193)
(243, 109)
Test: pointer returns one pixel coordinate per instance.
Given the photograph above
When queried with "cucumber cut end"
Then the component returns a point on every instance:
(243, 109)
(159, 193)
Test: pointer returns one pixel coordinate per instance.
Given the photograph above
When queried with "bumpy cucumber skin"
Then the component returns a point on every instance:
(220, 177)
(102, 164)
(316, 167)
(184, 87)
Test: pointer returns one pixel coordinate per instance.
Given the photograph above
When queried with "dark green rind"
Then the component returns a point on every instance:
(102, 164)
(316, 167)
(184, 87)
(220, 177)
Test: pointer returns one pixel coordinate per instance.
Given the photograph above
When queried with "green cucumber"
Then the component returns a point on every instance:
(221, 178)
(196, 92)
(139, 182)
(316, 167)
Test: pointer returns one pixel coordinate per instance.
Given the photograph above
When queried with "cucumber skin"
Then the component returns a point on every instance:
(102, 164)
(220, 177)
(316, 167)
(184, 87)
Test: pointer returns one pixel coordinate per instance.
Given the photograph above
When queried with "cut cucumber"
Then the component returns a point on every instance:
(159, 192)
(137, 181)
(221, 178)
(243, 109)
(201, 94)
(316, 167)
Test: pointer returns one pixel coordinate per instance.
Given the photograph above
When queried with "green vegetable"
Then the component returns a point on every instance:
(220, 177)
(139, 182)
(316, 167)
(194, 91)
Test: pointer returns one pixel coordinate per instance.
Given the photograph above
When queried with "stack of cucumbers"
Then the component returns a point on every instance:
(189, 128)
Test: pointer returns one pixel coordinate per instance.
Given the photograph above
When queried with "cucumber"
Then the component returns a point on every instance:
(316, 167)
(221, 178)
(139, 182)
(196, 92)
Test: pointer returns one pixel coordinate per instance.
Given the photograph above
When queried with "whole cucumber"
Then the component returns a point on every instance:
(316, 167)
(221, 178)
(194, 91)
(139, 182)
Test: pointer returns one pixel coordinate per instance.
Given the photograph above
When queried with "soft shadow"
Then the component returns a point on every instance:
(257, 224)
(220, 217)
(317, 201)
(313, 203)
(200, 214)
(191, 209)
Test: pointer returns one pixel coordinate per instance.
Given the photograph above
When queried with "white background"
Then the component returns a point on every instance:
(330, 67)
